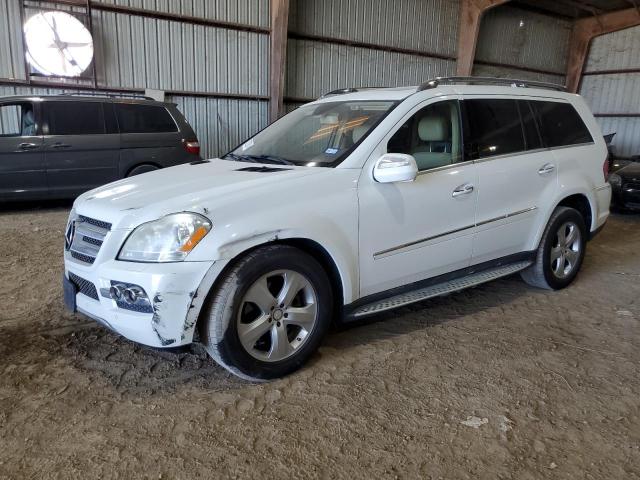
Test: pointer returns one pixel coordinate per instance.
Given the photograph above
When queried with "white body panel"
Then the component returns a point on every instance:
(379, 236)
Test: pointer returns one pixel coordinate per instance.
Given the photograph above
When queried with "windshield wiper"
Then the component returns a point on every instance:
(240, 158)
(269, 159)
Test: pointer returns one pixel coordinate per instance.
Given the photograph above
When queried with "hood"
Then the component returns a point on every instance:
(630, 171)
(189, 187)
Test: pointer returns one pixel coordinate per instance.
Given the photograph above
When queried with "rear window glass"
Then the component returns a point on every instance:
(560, 124)
(531, 134)
(133, 118)
(493, 128)
(74, 118)
(17, 120)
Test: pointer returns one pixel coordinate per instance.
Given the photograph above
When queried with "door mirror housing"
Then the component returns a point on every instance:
(395, 167)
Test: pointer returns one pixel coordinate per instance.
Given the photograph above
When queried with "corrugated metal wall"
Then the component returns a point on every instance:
(133, 51)
(611, 88)
(337, 43)
(516, 43)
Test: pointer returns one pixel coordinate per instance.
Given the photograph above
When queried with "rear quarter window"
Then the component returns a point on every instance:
(560, 124)
(135, 118)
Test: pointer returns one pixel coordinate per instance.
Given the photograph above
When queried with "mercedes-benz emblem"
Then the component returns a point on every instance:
(68, 236)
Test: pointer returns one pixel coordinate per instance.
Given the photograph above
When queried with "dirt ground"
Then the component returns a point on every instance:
(501, 381)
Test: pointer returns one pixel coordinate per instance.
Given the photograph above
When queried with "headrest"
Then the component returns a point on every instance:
(358, 132)
(433, 129)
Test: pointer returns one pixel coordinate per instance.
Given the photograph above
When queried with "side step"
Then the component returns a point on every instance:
(439, 289)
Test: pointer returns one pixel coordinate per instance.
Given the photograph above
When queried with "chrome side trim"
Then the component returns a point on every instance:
(606, 186)
(444, 167)
(385, 253)
(417, 242)
(527, 152)
(506, 215)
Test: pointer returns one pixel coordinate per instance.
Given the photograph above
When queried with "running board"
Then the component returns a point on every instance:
(439, 289)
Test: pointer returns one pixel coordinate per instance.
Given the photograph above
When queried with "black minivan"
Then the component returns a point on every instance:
(59, 146)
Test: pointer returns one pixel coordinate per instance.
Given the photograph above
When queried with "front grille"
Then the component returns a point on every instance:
(88, 237)
(94, 222)
(632, 186)
(84, 286)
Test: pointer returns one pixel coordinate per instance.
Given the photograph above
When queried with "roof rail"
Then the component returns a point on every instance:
(435, 82)
(108, 95)
(342, 91)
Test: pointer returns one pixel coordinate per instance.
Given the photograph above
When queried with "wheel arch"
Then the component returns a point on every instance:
(577, 200)
(133, 167)
(307, 245)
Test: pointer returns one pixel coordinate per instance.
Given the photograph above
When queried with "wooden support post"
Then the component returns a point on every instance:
(471, 12)
(586, 29)
(277, 56)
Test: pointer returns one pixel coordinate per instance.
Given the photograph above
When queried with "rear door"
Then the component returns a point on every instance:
(22, 169)
(149, 135)
(79, 153)
(517, 177)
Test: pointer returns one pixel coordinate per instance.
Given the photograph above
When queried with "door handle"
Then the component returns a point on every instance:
(464, 189)
(546, 168)
(60, 145)
(27, 146)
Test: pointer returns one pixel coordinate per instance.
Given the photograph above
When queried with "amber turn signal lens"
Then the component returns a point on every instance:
(194, 239)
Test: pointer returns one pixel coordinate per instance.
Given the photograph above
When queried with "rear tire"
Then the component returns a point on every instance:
(561, 251)
(268, 314)
(142, 169)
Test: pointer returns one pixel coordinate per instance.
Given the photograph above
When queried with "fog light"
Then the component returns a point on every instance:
(116, 291)
(132, 294)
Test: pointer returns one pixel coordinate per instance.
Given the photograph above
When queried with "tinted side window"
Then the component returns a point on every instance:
(493, 127)
(531, 134)
(560, 124)
(74, 118)
(432, 136)
(17, 120)
(135, 118)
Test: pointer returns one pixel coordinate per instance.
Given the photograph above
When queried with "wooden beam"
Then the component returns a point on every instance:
(278, 57)
(471, 12)
(586, 29)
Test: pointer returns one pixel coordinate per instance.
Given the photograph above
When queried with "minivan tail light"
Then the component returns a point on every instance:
(605, 168)
(191, 147)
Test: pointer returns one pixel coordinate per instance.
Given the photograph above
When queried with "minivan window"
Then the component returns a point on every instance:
(17, 120)
(432, 136)
(493, 128)
(560, 124)
(137, 118)
(74, 118)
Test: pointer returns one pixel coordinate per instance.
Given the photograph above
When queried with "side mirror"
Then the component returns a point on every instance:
(395, 167)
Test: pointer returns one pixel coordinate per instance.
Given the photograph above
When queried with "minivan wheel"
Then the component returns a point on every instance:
(560, 252)
(141, 169)
(268, 314)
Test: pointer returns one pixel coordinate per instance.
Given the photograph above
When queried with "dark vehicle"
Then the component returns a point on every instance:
(625, 186)
(58, 146)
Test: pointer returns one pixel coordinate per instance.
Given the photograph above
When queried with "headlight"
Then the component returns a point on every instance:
(169, 239)
(615, 180)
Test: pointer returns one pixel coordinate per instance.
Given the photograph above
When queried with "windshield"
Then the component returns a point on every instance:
(314, 135)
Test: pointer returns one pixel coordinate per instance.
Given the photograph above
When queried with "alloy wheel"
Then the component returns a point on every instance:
(276, 315)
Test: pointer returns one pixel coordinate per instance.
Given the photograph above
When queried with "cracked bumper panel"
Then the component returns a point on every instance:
(173, 289)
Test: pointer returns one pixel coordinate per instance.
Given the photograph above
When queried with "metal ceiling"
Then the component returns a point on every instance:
(573, 9)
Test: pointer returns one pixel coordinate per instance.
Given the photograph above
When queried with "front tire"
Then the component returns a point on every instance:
(561, 251)
(268, 313)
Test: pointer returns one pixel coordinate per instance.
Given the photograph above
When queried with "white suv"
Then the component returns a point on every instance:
(362, 201)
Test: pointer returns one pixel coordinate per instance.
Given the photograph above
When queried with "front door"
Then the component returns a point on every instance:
(421, 229)
(22, 169)
(79, 153)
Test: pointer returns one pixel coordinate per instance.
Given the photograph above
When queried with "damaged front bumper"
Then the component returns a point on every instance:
(175, 292)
